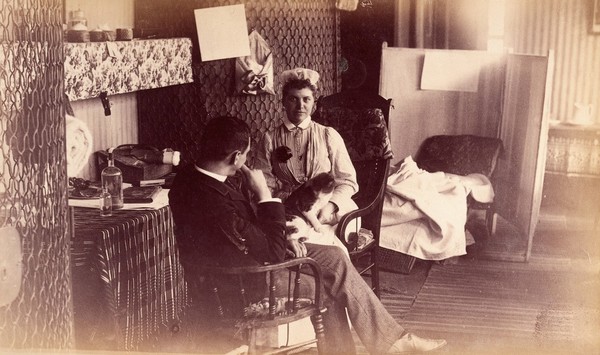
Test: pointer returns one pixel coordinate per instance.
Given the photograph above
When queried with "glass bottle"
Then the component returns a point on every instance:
(77, 17)
(105, 203)
(112, 181)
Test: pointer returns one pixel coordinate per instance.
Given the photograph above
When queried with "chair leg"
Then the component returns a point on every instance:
(375, 274)
(317, 321)
(491, 219)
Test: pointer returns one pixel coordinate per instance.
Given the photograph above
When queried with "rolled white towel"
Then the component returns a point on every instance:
(79, 145)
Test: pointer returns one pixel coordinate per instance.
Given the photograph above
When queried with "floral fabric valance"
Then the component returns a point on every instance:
(121, 67)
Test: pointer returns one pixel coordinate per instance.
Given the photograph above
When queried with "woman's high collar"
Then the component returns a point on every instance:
(303, 125)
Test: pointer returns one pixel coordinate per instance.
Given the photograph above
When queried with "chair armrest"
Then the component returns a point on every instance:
(240, 270)
(350, 216)
(370, 205)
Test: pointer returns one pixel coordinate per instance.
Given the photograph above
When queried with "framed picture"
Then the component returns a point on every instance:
(595, 18)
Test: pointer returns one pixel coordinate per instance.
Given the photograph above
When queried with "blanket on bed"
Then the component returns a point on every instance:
(424, 214)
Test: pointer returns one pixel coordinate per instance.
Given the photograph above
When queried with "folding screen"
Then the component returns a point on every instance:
(524, 131)
(418, 114)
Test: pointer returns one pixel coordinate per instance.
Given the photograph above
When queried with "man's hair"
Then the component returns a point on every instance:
(222, 136)
(299, 84)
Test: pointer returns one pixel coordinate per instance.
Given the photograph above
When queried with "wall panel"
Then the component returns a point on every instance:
(536, 26)
(300, 34)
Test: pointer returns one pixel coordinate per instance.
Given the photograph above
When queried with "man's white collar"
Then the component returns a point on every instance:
(219, 177)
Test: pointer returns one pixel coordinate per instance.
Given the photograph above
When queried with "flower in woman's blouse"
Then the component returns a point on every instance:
(282, 154)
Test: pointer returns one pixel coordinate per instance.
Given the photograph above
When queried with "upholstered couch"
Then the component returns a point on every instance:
(459, 155)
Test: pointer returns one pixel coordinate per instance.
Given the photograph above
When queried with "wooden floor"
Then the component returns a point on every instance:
(550, 305)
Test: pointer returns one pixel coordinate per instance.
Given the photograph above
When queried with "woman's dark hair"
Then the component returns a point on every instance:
(299, 84)
(222, 136)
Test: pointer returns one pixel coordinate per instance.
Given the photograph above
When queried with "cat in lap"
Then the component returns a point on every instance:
(309, 198)
(302, 208)
(303, 205)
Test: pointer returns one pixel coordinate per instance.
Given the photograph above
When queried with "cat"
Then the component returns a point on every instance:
(308, 199)
(296, 228)
(302, 209)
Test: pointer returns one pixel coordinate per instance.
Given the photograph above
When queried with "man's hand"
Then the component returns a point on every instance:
(327, 215)
(257, 182)
(297, 248)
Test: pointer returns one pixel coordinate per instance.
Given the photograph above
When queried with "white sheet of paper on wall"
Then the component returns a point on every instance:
(451, 70)
(222, 32)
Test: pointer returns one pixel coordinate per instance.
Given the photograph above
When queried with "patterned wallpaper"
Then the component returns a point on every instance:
(300, 33)
(537, 26)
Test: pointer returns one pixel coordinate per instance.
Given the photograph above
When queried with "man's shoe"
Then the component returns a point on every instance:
(410, 343)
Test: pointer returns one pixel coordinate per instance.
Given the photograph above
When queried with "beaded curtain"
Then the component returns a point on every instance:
(33, 175)
(300, 34)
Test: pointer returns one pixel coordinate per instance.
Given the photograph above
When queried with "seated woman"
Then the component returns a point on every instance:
(314, 148)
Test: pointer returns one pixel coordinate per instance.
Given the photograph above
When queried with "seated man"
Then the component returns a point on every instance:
(217, 224)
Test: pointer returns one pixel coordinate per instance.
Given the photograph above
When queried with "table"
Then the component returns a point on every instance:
(573, 168)
(574, 151)
(127, 279)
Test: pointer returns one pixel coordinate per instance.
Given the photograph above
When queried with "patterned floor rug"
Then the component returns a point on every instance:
(487, 307)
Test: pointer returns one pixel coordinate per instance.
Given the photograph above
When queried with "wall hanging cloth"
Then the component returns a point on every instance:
(254, 73)
(126, 66)
(79, 145)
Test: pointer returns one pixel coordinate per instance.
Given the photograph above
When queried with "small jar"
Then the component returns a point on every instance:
(105, 203)
(124, 34)
(97, 35)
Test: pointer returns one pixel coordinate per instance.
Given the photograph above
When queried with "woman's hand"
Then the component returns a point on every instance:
(257, 182)
(327, 215)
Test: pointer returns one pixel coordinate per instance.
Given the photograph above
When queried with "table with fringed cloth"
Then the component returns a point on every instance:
(127, 279)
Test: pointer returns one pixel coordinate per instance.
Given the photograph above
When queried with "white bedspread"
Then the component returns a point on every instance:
(424, 214)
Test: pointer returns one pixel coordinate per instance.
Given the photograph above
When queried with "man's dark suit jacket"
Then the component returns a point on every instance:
(216, 224)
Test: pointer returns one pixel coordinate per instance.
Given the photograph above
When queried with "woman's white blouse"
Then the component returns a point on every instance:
(315, 149)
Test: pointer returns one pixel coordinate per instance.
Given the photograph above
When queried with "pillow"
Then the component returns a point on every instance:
(459, 154)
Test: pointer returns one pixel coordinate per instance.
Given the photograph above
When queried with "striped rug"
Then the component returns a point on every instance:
(484, 307)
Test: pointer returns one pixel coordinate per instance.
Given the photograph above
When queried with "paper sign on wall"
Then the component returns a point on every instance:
(451, 71)
(222, 32)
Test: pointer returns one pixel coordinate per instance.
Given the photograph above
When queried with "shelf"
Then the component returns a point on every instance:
(573, 175)
(125, 66)
(575, 127)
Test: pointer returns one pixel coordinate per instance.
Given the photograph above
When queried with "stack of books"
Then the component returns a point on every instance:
(140, 194)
